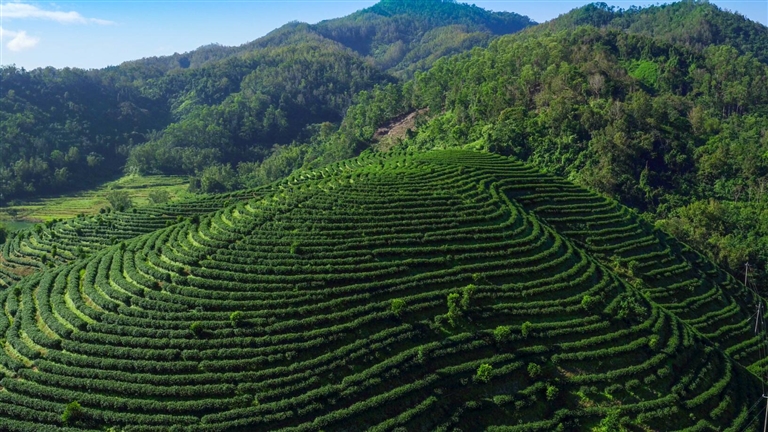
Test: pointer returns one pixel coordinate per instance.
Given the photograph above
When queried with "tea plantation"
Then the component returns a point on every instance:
(449, 290)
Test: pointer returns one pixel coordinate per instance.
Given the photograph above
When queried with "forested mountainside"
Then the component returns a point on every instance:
(318, 305)
(693, 23)
(219, 106)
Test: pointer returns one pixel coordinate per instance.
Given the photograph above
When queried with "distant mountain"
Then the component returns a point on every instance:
(398, 36)
(697, 24)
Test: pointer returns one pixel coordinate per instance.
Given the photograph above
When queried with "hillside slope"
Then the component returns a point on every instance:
(672, 132)
(391, 292)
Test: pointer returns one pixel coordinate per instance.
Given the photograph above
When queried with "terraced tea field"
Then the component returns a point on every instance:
(55, 243)
(447, 290)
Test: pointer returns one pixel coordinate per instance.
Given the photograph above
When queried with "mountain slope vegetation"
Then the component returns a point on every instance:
(234, 110)
(216, 107)
(675, 133)
(319, 305)
(514, 262)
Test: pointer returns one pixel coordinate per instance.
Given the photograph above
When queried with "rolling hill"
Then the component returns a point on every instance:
(447, 289)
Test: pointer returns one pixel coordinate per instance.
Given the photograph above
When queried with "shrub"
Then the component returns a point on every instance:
(653, 342)
(526, 328)
(72, 412)
(159, 197)
(453, 307)
(632, 266)
(466, 296)
(119, 200)
(235, 317)
(397, 306)
(552, 392)
(484, 373)
(196, 328)
(534, 370)
(502, 333)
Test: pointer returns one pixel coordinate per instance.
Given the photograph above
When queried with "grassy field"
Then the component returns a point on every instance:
(89, 202)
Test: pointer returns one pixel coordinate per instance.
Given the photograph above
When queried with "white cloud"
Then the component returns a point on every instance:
(20, 40)
(23, 10)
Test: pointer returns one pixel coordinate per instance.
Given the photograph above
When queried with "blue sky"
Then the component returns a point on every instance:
(95, 34)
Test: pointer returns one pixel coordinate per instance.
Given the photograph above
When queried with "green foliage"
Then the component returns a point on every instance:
(218, 106)
(696, 24)
(295, 247)
(502, 333)
(119, 200)
(589, 303)
(72, 413)
(552, 392)
(197, 328)
(159, 196)
(3, 233)
(484, 373)
(534, 370)
(466, 295)
(611, 422)
(426, 30)
(397, 306)
(380, 238)
(653, 342)
(645, 71)
(681, 128)
(632, 266)
(454, 308)
(215, 178)
(235, 318)
(628, 306)
(526, 328)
